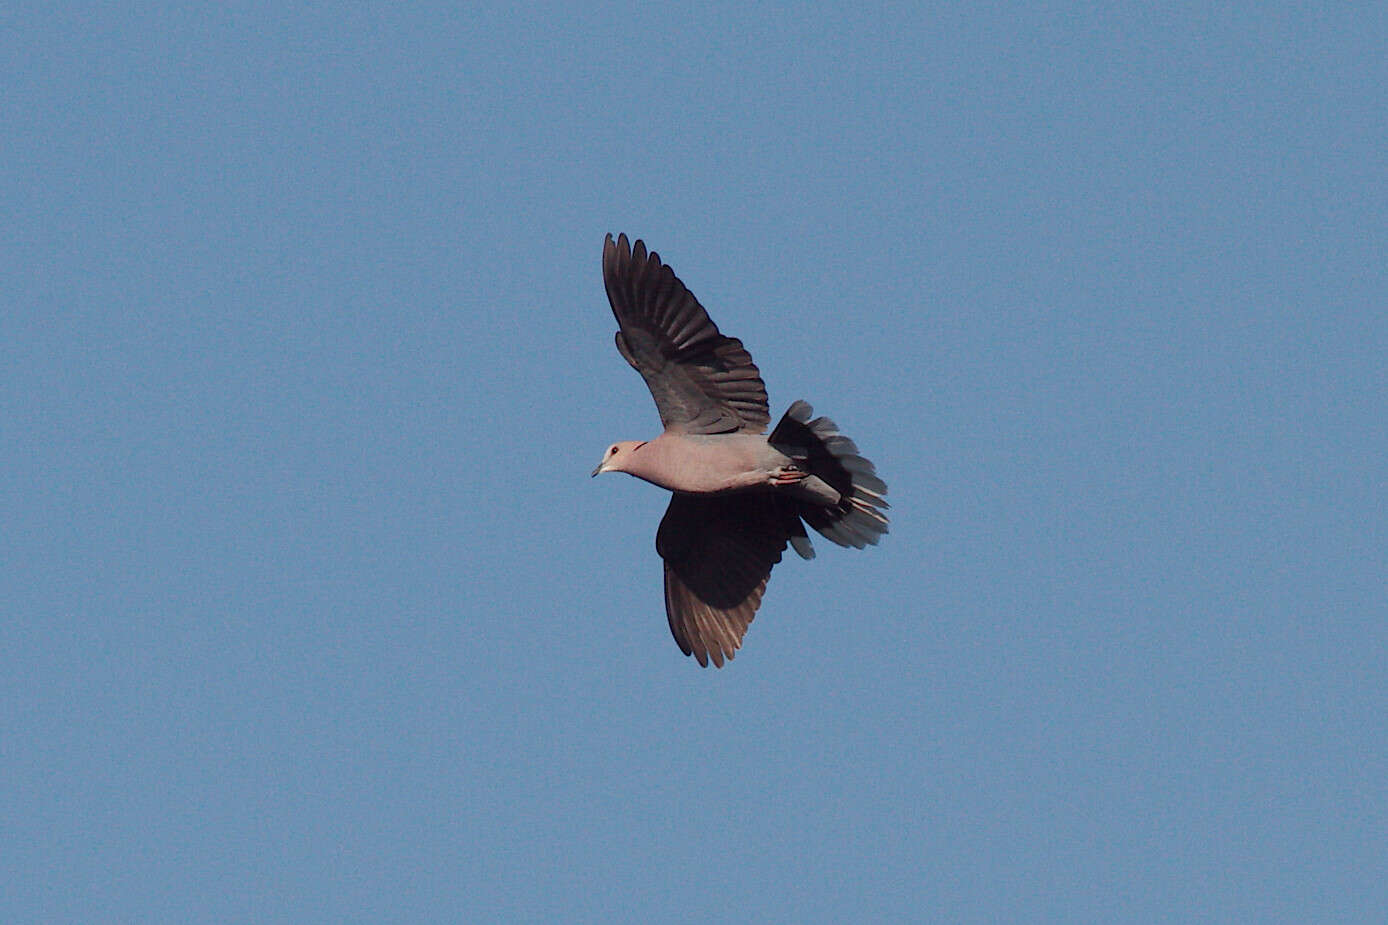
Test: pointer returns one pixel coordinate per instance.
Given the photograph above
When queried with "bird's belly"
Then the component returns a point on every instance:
(710, 466)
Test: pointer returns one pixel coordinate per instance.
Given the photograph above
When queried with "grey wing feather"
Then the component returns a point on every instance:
(718, 554)
(702, 381)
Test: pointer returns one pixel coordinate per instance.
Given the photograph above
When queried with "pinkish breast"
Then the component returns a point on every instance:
(697, 464)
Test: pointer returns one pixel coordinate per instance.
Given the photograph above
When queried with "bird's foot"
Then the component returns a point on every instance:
(783, 476)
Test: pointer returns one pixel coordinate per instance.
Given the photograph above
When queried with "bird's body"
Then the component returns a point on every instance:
(716, 464)
(704, 464)
(740, 495)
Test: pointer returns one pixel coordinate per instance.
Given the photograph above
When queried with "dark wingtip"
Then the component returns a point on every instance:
(617, 248)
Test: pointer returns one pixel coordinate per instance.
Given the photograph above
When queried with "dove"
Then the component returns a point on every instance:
(739, 495)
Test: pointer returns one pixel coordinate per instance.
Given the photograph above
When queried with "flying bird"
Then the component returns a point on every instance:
(739, 495)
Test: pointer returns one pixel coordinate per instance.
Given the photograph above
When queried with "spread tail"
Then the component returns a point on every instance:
(816, 445)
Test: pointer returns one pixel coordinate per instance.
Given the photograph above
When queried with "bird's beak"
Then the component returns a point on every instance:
(598, 469)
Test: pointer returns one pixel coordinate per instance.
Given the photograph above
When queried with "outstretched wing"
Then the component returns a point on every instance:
(718, 552)
(702, 381)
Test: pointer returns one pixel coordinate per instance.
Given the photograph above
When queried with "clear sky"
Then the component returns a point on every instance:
(309, 611)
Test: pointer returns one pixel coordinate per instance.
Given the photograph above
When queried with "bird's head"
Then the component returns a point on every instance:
(614, 459)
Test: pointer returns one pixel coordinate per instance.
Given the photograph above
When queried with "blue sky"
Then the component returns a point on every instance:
(312, 613)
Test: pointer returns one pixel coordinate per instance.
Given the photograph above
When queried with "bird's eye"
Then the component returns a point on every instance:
(612, 452)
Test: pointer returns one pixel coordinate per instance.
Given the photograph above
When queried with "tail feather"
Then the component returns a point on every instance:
(857, 519)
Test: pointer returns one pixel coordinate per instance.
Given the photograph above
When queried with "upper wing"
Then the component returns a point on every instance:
(718, 552)
(702, 382)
